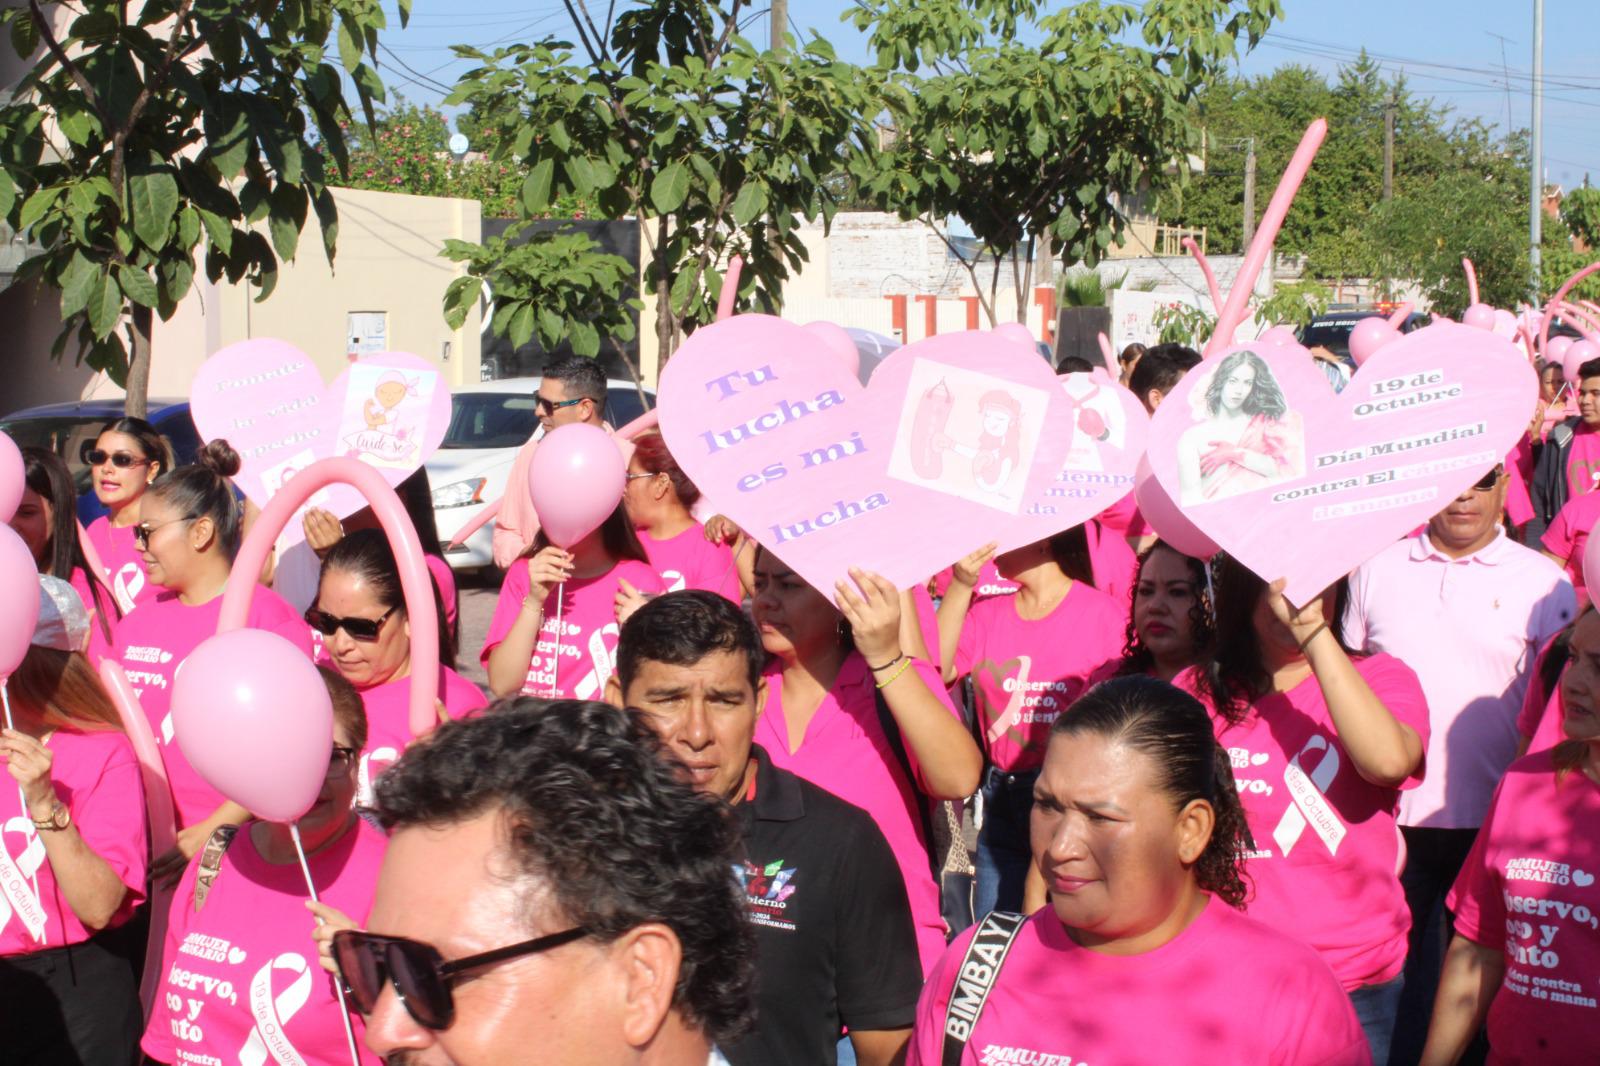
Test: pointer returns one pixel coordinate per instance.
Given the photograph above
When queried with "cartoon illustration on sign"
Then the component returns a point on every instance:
(953, 414)
(385, 413)
(1246, 438)
(1098, 421)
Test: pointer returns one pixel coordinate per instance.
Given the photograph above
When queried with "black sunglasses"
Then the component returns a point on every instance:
(422, 978)
(1488, 481)
(120, 460)
(550, 407)
(365, 630)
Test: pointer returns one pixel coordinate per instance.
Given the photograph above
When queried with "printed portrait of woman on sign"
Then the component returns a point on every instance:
(1246, 437)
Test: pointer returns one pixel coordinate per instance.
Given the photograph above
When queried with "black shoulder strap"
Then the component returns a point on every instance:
(975, 979)
(211, 863)
(897, 746)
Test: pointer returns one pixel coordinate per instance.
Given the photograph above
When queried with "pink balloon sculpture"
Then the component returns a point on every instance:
(1368, 336)
(1556, 351)
(1479, 316)
(12, 477)
(576, 480)
(19, 591)
(1016, 331)
(1164, 516)
(254, 719)
(1581, 352)
(837, 342)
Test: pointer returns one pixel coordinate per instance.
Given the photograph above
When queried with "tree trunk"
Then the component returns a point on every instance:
(137, 403)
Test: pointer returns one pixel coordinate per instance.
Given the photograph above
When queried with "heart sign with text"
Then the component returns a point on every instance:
(957, 440)
(389, 410)
(1296, 482)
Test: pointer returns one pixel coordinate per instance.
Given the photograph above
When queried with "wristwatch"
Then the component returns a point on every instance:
(59, 819)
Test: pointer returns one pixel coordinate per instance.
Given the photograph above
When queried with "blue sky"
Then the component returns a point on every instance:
(1448, 49)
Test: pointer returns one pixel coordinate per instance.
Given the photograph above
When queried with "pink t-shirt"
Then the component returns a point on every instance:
(1122, 517)
(243, 970)
(124, 563)
(152, 643)
(1026, 673)
(97, 777)
(1519, 470)
(1583, 461)
(445, 578)
(689, 561)
(1327, 844)
(1540, 719)
(587, 633)
(1114, 564)
(1569, 533)
(1529, 888)
(845, 751)
(389, 720)
(1225, 990)
(990, 583)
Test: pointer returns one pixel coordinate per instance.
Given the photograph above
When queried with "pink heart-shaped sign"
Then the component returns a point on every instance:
(957, 440)
(1297, 482)
(266, 398)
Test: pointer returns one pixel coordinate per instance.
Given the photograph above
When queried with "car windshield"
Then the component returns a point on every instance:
(1334, 336)
(490, 420)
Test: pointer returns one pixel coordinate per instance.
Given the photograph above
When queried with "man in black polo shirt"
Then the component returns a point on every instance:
(835, 943)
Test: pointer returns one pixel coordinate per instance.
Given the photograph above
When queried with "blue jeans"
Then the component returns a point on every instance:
(1376, 1008)
(847, 1052)
(1003, 853)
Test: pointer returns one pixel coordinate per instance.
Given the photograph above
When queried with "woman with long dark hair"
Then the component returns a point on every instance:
(1323, 743)
(554, 630)
(1142, 955)
(47, 521)
(125, 460)
(1029, 657)
(1170, 629)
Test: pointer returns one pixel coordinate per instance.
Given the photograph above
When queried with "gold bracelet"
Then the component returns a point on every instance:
(1312, 637)
(886, 682)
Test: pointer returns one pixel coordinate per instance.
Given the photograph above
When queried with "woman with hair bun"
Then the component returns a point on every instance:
(124, 461)
(1142, 955)
(189, 533)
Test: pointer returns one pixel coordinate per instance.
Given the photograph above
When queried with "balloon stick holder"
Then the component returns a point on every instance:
(338, 983)
(5, 700)
(555, 660)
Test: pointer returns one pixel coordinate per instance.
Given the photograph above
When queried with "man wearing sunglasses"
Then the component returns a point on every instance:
(1467, 608)
(553, 893)
(835, 942)
(573, 389)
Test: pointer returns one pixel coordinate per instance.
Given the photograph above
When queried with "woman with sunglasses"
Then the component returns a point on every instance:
(1142, 955)
(554, 630)
(1029, 657)
(242, 979)
(1323, 743)
(126, 458)
(189, 533)
(851, 709)
(46, 520)
(73, 857)
(361, 613)
(658, 496)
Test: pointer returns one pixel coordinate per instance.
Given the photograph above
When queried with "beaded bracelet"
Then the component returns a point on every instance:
(886, 682)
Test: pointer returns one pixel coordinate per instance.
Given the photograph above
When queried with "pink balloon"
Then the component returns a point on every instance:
(253, 717)
(1016, 331)
(1165, 518)
(135, 723)
(1581, 352)
(1479, 316)
(12, 478)
(1505, 324)
(1368, 336)
(19, 591)
(1556, 350)
(838, 342)
(576, 481)
(1279, 337)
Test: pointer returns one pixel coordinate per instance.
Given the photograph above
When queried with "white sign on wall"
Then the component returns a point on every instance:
(368, 333)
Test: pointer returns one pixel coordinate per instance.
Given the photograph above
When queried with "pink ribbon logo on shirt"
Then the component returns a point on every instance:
(1012, 715)
(273, 1013)
(1310, 806)
(19, 881)
(594, 682)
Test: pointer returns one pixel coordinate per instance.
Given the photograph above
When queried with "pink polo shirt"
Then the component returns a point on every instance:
(1470, 628)
(845, 751)
(1529, 889)
(1569, 534)
(517, 523)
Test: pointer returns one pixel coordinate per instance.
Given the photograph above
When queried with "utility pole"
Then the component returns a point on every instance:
(1536, 179)
(780, 23)
(1249, 194)
(1388, 145)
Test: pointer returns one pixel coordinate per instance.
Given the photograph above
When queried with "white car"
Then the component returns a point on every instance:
(488, 424)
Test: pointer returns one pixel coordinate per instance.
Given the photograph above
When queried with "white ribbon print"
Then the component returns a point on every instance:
(272, 1014)
(19, 880)
(594, 682)
(1310, 806)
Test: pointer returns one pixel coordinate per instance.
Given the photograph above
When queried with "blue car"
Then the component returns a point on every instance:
(70, 429)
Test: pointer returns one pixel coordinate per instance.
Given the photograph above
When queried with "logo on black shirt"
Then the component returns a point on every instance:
(768, 889)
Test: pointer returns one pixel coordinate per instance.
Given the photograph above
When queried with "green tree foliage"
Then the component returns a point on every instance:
(667, 114)
(1026, 142)
(136, 142)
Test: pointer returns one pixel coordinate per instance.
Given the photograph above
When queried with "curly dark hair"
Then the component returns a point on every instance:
(1172, 728)
(1136, 658)
(600, 820)
(1265, 397)
(1234, 675)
